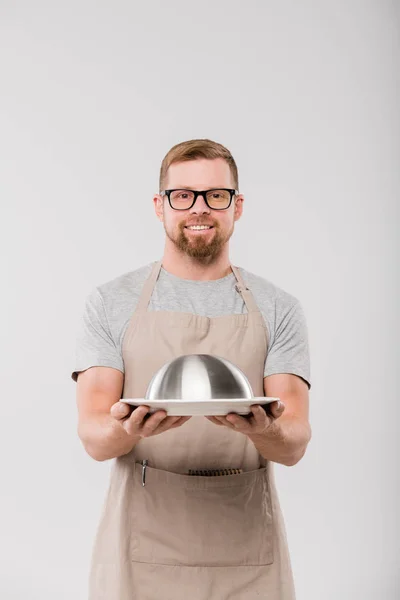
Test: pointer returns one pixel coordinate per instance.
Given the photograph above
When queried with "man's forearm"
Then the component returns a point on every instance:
(285, 441)
(104, 438)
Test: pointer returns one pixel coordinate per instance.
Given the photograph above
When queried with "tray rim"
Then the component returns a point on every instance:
(201, 405)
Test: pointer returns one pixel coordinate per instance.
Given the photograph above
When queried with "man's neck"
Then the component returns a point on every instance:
(186, 267)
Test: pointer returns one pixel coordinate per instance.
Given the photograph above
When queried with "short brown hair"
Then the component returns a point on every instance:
(193, 149)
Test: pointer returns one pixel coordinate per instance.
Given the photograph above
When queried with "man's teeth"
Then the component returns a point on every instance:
(199, 227)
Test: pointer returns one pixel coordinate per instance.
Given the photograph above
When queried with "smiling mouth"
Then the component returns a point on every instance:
(199, 227)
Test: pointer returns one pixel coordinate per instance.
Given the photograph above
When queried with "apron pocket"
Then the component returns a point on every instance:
(201, 521)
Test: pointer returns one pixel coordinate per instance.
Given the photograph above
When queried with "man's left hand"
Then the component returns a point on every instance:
(256, 423)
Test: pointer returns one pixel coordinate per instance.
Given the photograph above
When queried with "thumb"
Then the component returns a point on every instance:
(277, 408)
(119, 410)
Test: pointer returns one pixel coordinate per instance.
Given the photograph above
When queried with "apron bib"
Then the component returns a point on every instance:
(181, 536)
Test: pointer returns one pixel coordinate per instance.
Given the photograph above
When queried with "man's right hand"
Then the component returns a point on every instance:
(137, 422)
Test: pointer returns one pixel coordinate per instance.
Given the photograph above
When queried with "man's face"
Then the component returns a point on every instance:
(199, 174)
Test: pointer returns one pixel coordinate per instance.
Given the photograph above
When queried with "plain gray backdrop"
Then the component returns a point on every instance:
(306, 96)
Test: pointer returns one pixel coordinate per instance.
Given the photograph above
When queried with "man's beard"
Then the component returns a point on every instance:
(198, 247)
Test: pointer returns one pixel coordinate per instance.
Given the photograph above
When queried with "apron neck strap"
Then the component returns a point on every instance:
(151, 282)
(148, 287)
(244, 291)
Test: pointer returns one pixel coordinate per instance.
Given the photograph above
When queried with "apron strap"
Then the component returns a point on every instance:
(150, 283)
(245, 292)
(148, 288)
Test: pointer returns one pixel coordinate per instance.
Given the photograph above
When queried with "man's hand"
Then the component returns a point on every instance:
(138, 424)
(256, 423)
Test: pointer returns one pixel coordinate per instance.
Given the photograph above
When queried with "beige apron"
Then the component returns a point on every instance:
(181, 536)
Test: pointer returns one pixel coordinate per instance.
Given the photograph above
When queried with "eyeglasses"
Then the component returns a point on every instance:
(220, 199)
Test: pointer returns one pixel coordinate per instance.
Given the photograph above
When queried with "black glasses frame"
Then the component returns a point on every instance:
(198, 193)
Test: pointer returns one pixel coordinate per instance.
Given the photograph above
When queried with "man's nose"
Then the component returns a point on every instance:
(199, 206)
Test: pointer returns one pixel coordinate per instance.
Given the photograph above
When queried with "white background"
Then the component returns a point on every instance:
(306, 96)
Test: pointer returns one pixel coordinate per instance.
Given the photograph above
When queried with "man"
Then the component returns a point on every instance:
(174, 535)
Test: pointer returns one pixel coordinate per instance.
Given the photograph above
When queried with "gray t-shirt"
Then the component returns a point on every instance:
(109, 307)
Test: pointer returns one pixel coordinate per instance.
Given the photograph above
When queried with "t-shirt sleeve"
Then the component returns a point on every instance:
(288, 351)
(95, 346)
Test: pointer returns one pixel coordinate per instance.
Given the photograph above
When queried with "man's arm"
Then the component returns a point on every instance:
(286, 439)
(107, 427)
(103, 436)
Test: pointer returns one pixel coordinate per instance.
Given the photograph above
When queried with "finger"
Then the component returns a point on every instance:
(152, 424)
(180, 421)
(239, 423)
(214, 420)
(281, 406)
(136, 420)
(264, 417)
(261, 419)
(169, 421)
(227, 420)
(120, 410)
(277, 408)
(220, 418)
(174, 422)
(260, 414)
(138, 415)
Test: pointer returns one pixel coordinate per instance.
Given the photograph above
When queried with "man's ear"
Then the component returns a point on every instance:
(238, 206)
(159, 206)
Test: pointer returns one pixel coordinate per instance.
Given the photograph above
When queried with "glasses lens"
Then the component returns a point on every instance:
(181, 199)
(218, 199)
